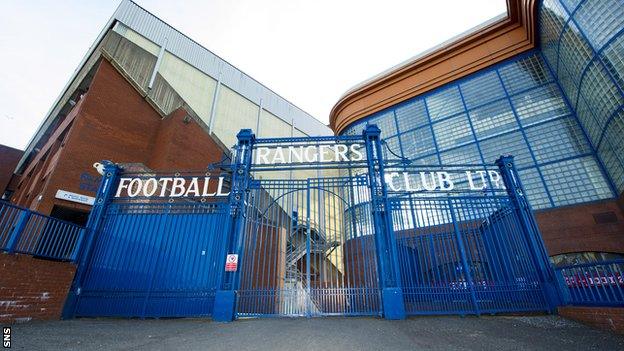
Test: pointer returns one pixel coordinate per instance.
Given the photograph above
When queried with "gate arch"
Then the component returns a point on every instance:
(326, 236)
(300, 259)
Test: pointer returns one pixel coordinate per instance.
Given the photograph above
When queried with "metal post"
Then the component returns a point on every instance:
(387, 255)
(462, 255)
(161, 53)
(213, 108)
(530, 230)
(17, 231)
(564, 290)
(225, 298)
(83, 254)
(308, 258)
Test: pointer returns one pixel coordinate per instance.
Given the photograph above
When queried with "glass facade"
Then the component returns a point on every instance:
(583, 45)
(516, 107)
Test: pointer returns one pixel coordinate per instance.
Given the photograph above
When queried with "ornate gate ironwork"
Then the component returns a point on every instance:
(149, 257)
(304, 253)
(321, 226)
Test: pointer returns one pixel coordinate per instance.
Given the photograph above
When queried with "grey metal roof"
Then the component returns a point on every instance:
(156, 30)
(153, 28)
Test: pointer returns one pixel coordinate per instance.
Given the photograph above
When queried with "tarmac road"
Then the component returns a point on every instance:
(424, 333)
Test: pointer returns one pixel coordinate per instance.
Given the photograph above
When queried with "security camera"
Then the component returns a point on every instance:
(99, 167)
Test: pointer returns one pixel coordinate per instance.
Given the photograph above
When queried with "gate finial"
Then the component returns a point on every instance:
(371, 130)
(245, 136)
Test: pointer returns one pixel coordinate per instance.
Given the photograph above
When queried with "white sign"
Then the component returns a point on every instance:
(309, 154)
(442, 181)
(171, 187)
(231, 263)
(73, 197)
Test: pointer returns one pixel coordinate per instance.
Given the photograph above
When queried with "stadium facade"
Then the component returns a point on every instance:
(543, 83)
(412, 206)
(145, 93)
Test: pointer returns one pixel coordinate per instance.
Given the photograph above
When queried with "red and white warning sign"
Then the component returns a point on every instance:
(231, 263)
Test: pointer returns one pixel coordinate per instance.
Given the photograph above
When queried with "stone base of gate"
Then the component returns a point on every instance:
(224, 306)
(393, 304)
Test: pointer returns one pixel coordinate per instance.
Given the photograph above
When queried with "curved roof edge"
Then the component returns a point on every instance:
(484, 45)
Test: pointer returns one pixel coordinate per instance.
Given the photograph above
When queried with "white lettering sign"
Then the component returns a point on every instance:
(308, 154)
(171, 187)
(442, 181)
(73, 197)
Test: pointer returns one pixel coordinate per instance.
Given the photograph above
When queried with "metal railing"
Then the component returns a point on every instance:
(27, 232)
(596, 283)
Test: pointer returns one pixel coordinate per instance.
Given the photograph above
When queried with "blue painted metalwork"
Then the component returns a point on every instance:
(322, 236)
(540, 76)
(306, 252)
(27, 232)
(530, 231)
(598, 158)
(387, 255)
(108, 182)
(464, 251)
(592, 284)
(146, 257)
(154, 260)
(229, 282)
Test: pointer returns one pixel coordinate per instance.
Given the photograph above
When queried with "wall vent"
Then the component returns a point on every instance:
(605, 217)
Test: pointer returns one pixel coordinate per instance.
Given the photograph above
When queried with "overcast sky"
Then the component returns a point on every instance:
(310, 52)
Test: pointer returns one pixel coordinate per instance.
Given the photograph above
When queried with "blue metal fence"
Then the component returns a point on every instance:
(593, 284)
(27, 232)
(328, 235)
(151, 257)
(464, 255)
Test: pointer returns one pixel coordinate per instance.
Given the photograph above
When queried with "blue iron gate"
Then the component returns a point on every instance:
(463, 254)
(153, 258)
(302, 254)
(321, 237)
(320, 226)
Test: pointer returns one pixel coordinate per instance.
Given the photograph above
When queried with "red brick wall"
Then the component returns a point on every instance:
(111, 122)
(182, 144)
(607, 318)
(9, 157)
(574, 229)
(114, 122)
(31, 288)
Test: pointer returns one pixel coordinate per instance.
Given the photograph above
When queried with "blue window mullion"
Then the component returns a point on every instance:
(526, 140)
(398, 133)
(568, 9)
(591, 45)
(563, 29)
(598, 58)
(606, 126)
(568, 158)
(618, 156)
(474, 134)
(435, 141)
(601, 165)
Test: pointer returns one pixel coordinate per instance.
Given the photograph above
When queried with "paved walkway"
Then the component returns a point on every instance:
(424, 333)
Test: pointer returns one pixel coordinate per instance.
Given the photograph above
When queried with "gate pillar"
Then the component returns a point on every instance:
(530, 230)
(385, 241)
(84, 246)
(225, 297)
